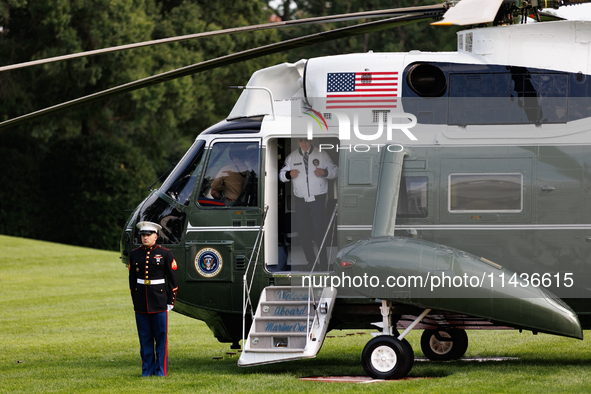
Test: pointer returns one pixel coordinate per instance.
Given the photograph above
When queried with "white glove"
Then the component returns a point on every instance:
(169, 307)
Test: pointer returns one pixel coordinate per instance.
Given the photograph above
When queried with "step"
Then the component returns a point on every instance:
(282, 325)
(277, 341)
(286, 326)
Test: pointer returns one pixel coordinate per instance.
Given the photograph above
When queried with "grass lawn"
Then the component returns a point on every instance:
(67, 325)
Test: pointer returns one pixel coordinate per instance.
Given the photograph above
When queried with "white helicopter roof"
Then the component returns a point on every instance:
(561, 46)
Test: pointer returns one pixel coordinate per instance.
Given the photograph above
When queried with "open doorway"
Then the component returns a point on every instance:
(305, 204)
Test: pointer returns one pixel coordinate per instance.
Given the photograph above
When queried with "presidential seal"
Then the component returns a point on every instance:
(208, 262)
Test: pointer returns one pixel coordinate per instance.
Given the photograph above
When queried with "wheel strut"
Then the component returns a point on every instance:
(387, 356)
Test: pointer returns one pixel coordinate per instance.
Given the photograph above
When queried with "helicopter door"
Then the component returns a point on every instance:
(221, 234)
(283, 239)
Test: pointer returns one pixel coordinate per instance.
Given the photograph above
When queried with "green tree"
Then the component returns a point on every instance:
(85, 176)
(20, 197)
(71, 169)
(76, 160)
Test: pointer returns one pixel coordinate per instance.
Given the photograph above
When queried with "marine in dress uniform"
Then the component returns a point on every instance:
(153, 282)
(308, 169)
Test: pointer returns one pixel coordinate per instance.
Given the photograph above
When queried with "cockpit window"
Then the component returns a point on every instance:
(231, 177)
(499, 192)
(171, 219)
(180, 183)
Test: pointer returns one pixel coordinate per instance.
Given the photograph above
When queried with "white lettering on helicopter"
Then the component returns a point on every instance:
(286, 311)
(283, 327)
(292, 296)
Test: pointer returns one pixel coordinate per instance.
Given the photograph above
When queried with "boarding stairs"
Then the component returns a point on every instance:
(290, 323)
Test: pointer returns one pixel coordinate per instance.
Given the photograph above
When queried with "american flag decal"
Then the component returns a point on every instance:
(361, 90)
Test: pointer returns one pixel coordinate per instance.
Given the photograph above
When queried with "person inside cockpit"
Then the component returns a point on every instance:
(233, 180)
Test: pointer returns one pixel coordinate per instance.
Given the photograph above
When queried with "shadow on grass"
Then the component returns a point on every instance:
(351, 366)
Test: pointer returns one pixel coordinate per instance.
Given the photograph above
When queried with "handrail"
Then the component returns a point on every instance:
(310, 292)
(246, 301)
(334, 213)
(260, 88)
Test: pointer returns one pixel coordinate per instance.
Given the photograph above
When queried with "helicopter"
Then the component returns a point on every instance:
(459, 202)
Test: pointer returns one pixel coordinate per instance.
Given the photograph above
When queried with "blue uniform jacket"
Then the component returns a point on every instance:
(149, 264)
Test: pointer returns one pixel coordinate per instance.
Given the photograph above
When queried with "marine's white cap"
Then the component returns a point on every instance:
(148, 227)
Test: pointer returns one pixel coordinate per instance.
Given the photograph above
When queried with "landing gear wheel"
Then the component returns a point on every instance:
(385, 357)
(444, 345)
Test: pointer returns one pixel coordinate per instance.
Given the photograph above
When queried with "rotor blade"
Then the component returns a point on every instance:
(547, 17)
(573, 2)
(322, 19)
(471, 12)
(230, 59)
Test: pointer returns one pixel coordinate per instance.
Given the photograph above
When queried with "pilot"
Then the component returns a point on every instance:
(230, 180)
(309, 169)
(153, 282)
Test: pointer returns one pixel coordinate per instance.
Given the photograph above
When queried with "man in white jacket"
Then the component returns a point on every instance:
(308, 169)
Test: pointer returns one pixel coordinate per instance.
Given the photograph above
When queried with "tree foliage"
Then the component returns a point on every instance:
(92, 163)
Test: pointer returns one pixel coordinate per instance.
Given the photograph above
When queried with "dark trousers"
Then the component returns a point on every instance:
(153, 328)
(311, 226)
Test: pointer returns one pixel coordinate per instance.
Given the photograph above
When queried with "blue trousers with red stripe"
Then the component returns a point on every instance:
(152, 328)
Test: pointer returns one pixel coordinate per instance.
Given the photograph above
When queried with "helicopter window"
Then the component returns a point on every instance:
(516, 97)
(231, 177)
(485, 192)
(180, 183)
(412, 199)
(427, 80)
(170, 218)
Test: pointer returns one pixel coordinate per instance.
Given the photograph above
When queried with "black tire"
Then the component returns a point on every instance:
(411, 358)
(385, 357)
(444, 345)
